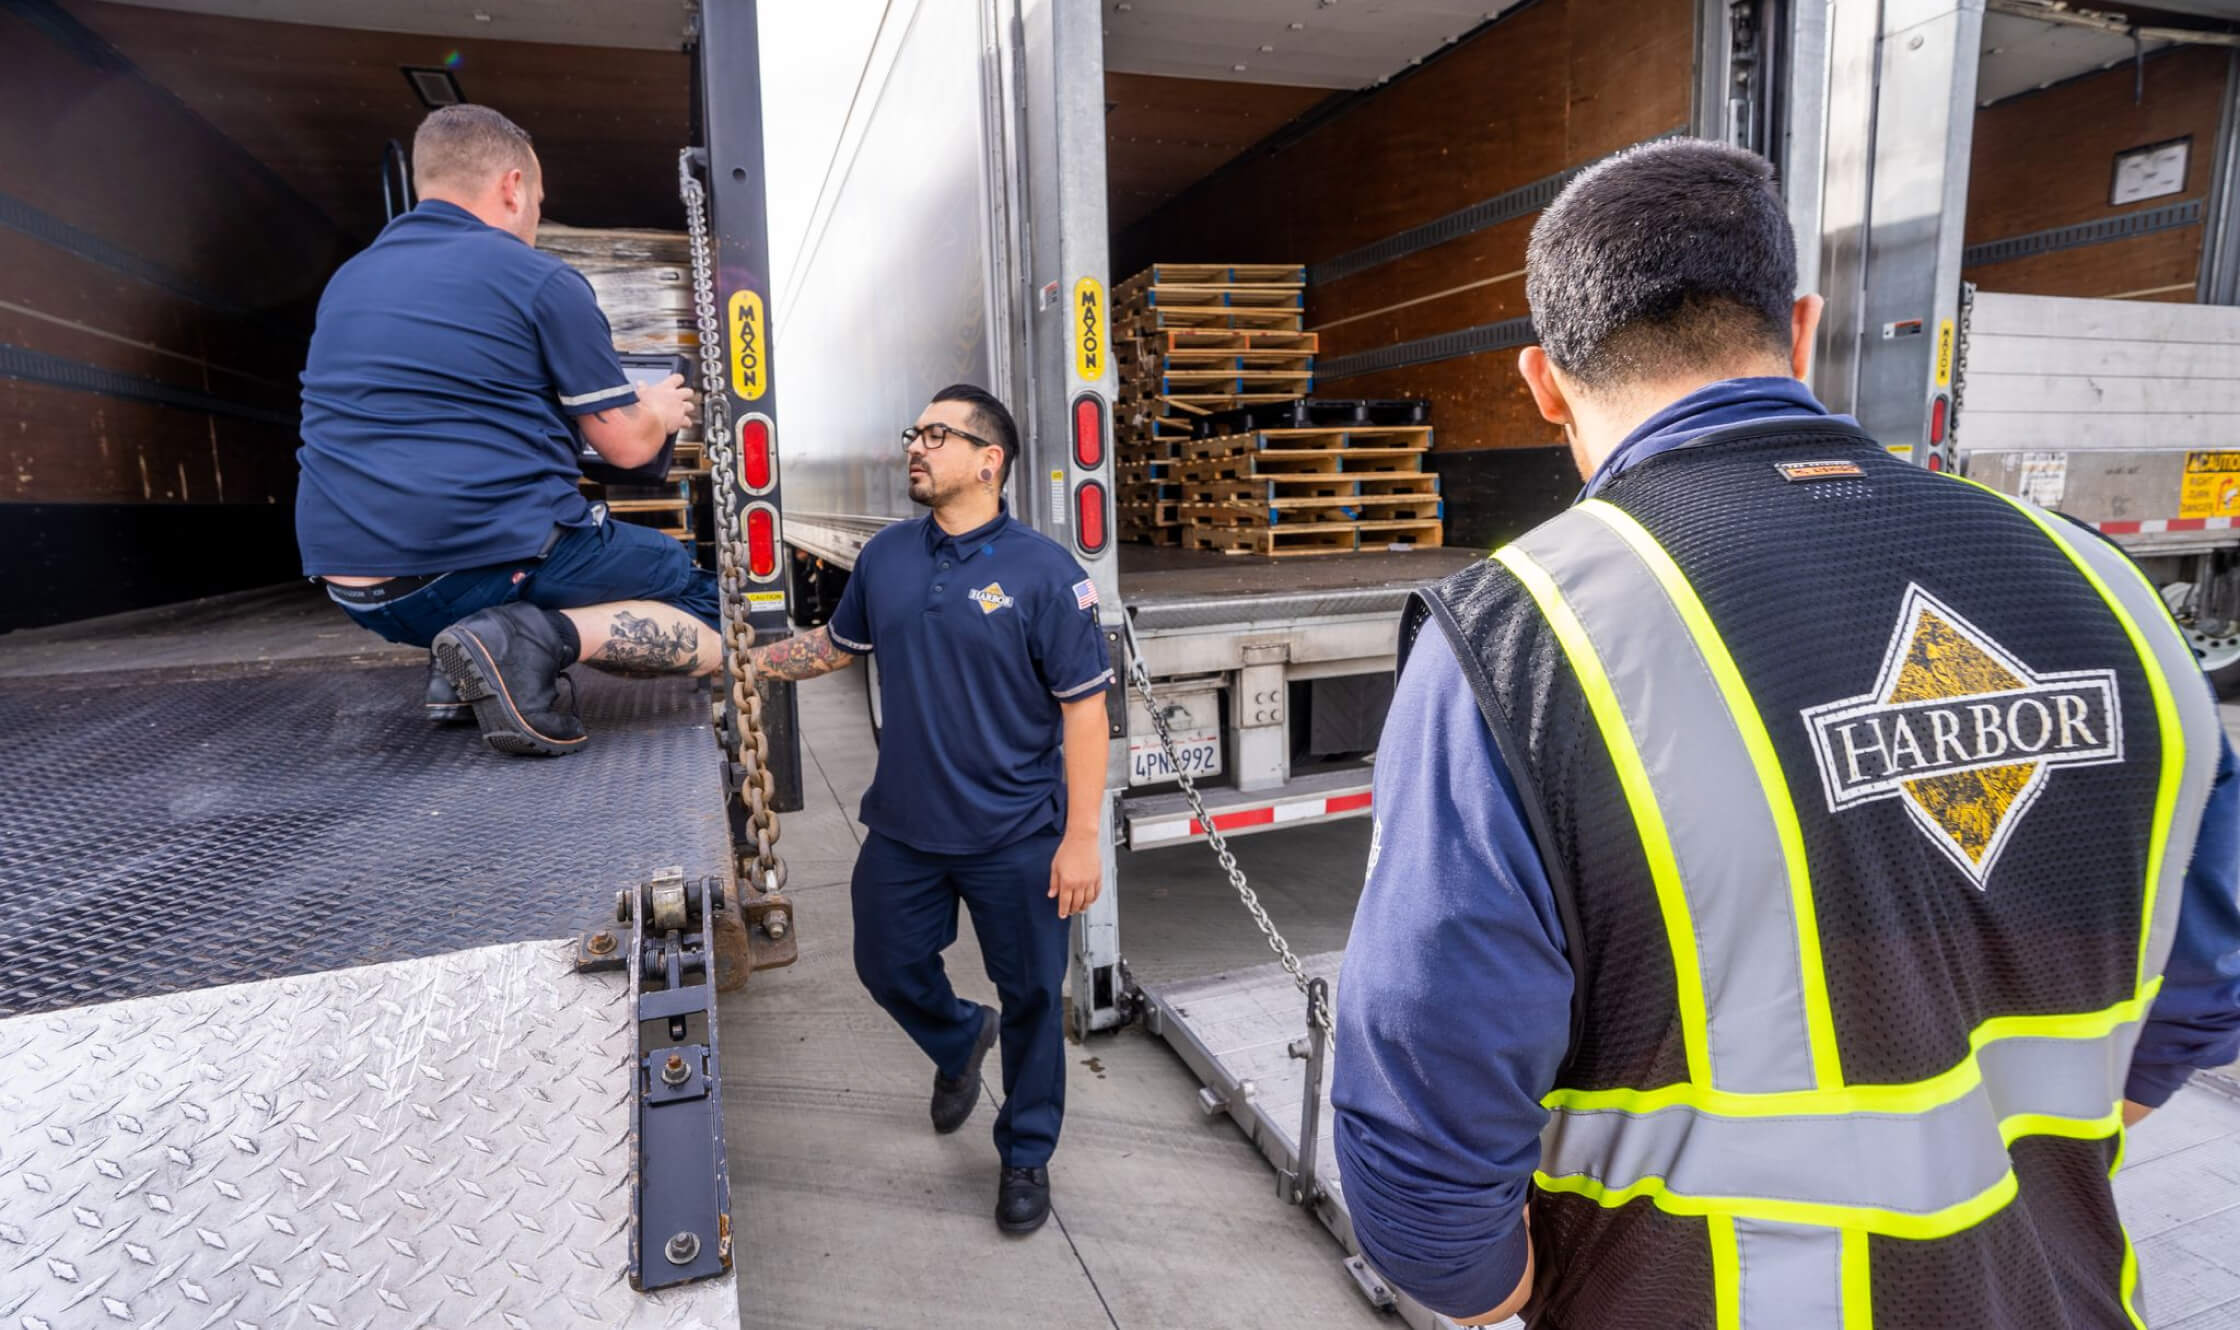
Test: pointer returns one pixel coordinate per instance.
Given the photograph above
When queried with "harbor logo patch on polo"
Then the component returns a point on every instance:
(991, 598)
(1962, 732)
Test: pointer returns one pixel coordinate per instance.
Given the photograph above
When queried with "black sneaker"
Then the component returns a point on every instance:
(1022, 1199)
(953, 1099)
(506, 662)
(443, 705)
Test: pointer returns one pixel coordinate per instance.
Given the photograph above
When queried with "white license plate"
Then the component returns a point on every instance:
(1199, 752)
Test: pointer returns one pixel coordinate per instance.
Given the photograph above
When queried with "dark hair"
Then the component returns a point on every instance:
(466, 145)
(993, 418)
(1668, 257)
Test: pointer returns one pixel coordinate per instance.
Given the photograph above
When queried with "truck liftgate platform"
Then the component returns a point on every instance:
(285, 1035)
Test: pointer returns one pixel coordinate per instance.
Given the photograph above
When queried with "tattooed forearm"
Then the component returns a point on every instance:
(638, 645)
(803, 657)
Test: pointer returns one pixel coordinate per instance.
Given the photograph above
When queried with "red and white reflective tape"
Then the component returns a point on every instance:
(2157, 525)
(1144, 833)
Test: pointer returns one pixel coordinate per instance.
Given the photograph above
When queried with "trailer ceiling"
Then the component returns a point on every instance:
(1301, 43)
(314, 103)
(652, 25)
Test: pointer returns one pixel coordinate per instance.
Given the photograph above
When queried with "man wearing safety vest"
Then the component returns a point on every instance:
(1793, 868)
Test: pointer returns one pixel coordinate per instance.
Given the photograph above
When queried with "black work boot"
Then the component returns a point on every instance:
(953, 1099)
(1022, 1199)
(443, 705)
(506, 661)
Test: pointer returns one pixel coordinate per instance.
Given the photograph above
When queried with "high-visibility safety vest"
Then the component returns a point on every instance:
(1867, 795)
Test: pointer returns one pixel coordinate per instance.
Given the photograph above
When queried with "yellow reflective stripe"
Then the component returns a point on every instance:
(1726, 1273)
(2165, 714)
(1905, 1097)
(1858, 1281)
(2131, 1283)
(2130, 1279)
(1641, 800)
(1940, 1223)
(1827, 1065)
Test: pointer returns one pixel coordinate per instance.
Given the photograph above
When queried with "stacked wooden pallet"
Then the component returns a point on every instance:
(643, 282)
(1309, 491)
(1192, 339)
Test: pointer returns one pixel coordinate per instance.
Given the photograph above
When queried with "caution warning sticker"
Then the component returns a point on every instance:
(2211, 487)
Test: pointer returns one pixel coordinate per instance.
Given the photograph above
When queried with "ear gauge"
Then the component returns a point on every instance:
(986, 475)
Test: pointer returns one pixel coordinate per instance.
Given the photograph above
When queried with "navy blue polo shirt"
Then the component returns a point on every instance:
(446, 363)
(980, 637)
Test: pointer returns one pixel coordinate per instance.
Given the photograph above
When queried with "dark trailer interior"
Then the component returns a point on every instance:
(177, 182)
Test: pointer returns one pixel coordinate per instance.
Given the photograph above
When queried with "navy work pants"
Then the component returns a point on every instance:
(906, 915)
(588, 565)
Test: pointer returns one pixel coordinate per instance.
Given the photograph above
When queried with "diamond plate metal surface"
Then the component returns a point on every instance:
(168, 835)
(1247, 1019)
(430, 1143)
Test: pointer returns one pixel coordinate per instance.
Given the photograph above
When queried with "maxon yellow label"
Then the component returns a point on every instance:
(750, 349)
(1091, 339)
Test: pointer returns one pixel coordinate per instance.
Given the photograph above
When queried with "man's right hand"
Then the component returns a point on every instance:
(671, 402)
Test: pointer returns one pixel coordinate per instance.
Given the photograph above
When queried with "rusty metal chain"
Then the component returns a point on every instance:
(735, 711)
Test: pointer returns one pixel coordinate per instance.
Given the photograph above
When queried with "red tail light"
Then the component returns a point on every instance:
(1088, 516)
(1088, 431)
(1939, 408)
(762, 542)
(756, 470)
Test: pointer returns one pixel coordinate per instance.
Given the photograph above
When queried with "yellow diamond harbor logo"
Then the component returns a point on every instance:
(1962, 733)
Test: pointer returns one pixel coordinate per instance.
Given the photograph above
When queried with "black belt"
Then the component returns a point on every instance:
(381, 593)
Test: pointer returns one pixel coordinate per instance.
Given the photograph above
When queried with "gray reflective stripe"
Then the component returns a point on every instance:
(2197, 719)
(1065, 694)
(1724, 843)
(1910, 1163)
(602, 395)
(1791, 1276)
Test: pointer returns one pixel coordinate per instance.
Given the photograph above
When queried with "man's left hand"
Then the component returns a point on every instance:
(1076, 875)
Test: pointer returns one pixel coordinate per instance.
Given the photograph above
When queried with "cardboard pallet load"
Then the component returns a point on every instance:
(643, 282)
(1216, 445)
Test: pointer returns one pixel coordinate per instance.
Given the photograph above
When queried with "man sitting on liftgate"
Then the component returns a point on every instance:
(449, 371)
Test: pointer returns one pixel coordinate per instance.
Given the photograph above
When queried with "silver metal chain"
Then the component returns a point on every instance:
(736, 710)
(1318, 1012)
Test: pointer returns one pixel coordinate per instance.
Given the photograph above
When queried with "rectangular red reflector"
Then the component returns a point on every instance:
(1088, 431)
(762, 541)
(754, 454)
(1088, 516)
(1250, 817)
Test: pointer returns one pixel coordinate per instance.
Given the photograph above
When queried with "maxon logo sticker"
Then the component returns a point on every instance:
(1962, 732)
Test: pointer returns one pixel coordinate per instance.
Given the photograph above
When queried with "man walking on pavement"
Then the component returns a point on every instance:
(449, 370)
(991, 769)
(1793, 868)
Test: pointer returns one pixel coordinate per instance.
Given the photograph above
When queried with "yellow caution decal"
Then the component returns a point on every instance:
(1944, 354)
(1091, 339)
(750, 348)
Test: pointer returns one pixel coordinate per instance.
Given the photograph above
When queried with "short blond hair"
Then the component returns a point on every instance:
(465, 147)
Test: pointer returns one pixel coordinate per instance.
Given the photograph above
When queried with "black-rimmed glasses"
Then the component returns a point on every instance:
(933, 436)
